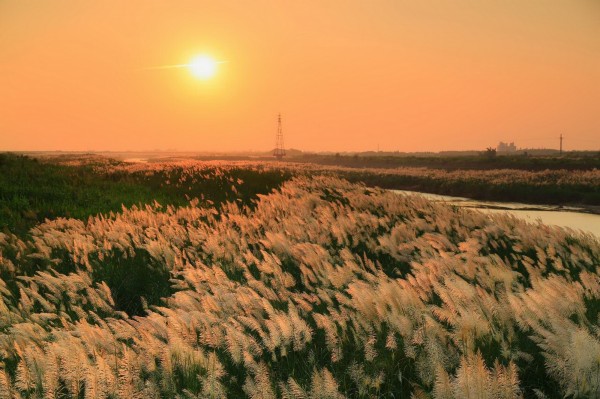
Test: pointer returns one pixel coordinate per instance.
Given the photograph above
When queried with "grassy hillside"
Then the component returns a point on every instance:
(322, 289)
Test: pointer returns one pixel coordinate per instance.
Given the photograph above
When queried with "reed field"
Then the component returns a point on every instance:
(251, 280)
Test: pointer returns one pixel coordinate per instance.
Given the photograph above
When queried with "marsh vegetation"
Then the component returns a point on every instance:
(318, 288)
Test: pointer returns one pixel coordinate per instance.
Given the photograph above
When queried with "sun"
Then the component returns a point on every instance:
(203, 67)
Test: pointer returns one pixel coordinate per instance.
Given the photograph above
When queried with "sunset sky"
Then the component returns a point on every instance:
(347, 75)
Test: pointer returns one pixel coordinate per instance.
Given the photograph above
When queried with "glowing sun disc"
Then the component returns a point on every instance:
(203, 67)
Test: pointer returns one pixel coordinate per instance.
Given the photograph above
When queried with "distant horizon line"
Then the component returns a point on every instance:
(316, 152)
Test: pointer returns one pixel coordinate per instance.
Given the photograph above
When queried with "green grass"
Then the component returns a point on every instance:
(32, 190)
(385, 295)
(322, 286)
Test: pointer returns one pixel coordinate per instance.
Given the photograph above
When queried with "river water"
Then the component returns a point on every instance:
(570, 217)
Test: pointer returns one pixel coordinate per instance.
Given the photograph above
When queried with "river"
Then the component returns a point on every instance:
(570, 217)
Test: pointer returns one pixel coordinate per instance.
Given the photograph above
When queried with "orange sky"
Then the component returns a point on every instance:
(407, 75)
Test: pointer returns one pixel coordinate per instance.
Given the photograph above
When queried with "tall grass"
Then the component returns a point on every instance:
(32, 190)
(548, 186)
(320, 289)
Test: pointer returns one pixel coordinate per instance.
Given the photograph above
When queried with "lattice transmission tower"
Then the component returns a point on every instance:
(561, 140)
(279, 151)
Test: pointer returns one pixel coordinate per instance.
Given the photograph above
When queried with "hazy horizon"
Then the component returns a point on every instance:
(347, 76)
(268, 152)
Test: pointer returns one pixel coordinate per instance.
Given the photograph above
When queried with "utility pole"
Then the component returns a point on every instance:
(561, 139)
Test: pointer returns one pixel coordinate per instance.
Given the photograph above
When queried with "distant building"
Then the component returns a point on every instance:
(506, 147)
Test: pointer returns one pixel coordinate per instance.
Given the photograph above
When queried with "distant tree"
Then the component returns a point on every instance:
(490, 152)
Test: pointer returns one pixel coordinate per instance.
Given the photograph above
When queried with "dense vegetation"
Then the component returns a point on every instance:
(32, 190)
(320, 289)
(554, 187)
(569, 161)
(568, 180)
(537, 180)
